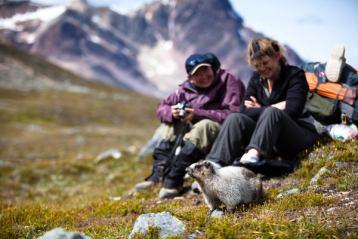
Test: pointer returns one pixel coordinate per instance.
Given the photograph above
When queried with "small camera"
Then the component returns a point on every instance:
(181, 107)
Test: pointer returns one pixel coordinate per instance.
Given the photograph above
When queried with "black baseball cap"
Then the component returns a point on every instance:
(195, 61)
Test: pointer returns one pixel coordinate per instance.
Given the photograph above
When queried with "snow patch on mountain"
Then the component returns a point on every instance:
(44, 14)
(160, 63)
(95, 39)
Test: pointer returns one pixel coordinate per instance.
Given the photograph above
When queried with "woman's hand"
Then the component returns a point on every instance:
(280, 105)
(252, 103)
(189, 115)
(175, 111)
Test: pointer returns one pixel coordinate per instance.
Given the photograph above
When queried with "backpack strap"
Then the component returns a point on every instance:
(339, 92)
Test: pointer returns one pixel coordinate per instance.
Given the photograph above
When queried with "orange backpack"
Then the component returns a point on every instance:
(332, 90)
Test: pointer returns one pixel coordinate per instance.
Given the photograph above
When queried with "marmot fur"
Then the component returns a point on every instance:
(229, 185)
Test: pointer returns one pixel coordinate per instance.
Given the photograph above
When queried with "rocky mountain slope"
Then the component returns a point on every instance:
(143, 51)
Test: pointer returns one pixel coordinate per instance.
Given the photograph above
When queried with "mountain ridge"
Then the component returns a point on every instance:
(143, 51)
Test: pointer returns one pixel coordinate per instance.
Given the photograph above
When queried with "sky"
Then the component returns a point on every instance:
(311, 27)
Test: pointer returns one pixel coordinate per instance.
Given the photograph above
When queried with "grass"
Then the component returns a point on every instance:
(48, 176)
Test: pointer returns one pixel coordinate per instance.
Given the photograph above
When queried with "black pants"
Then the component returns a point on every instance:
(273, 130)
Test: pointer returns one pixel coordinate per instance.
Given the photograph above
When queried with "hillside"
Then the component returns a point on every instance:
(51, 134)
(49, 116)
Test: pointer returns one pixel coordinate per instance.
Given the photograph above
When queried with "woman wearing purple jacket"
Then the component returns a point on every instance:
(192, 116)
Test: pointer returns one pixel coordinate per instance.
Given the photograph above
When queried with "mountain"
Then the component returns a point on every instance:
(143, 50)
(20, 70)
(11, 8)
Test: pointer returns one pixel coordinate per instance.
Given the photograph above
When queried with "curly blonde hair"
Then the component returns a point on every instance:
(258, 48)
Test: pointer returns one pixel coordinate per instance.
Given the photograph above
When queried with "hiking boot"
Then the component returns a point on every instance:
(144, 185)
(161, 160)
(169, 193)
(188, 155)
(335, 63)
(271, 167)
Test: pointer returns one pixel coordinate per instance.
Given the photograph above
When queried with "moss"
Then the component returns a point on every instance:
(270, 225)
(152, 232)
(106, 208)
(302, 200)
(30, 219)
(348, 181)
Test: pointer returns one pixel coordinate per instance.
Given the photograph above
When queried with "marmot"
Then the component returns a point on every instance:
(229, 185)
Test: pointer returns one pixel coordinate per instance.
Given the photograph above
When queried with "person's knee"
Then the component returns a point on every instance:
(234, 117)
(206, 124)
(272, 112)
(236, 120)
(204, 129)
(167, 132)
(203, 134)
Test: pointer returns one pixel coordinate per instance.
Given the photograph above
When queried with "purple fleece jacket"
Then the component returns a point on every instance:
(215, 103)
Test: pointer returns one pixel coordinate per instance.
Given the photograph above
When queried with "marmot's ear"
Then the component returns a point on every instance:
(207, 164)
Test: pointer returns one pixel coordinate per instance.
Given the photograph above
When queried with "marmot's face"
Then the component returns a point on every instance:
(200, 171)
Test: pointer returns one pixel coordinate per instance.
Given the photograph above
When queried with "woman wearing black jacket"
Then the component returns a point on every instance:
(272, 121)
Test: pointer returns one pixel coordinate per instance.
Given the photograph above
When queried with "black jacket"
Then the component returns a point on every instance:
(291, 87)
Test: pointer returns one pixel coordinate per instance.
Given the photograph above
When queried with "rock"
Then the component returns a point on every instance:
(115, 198)
(320, 173)
(80, 140)
(167, 225)
(35, 128)
(217, 213)
(153, 142)
(196, 234)
(331, 210)
(60, 233)
(132, 149)
(288, 192)
(108, 154)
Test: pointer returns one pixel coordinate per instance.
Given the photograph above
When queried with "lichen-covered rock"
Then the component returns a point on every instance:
(60, 233)
(167, 225)
(323, 171)
(108, 154)
(288, 192)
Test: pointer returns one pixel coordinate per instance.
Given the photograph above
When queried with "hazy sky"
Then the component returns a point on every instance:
(311, 27)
